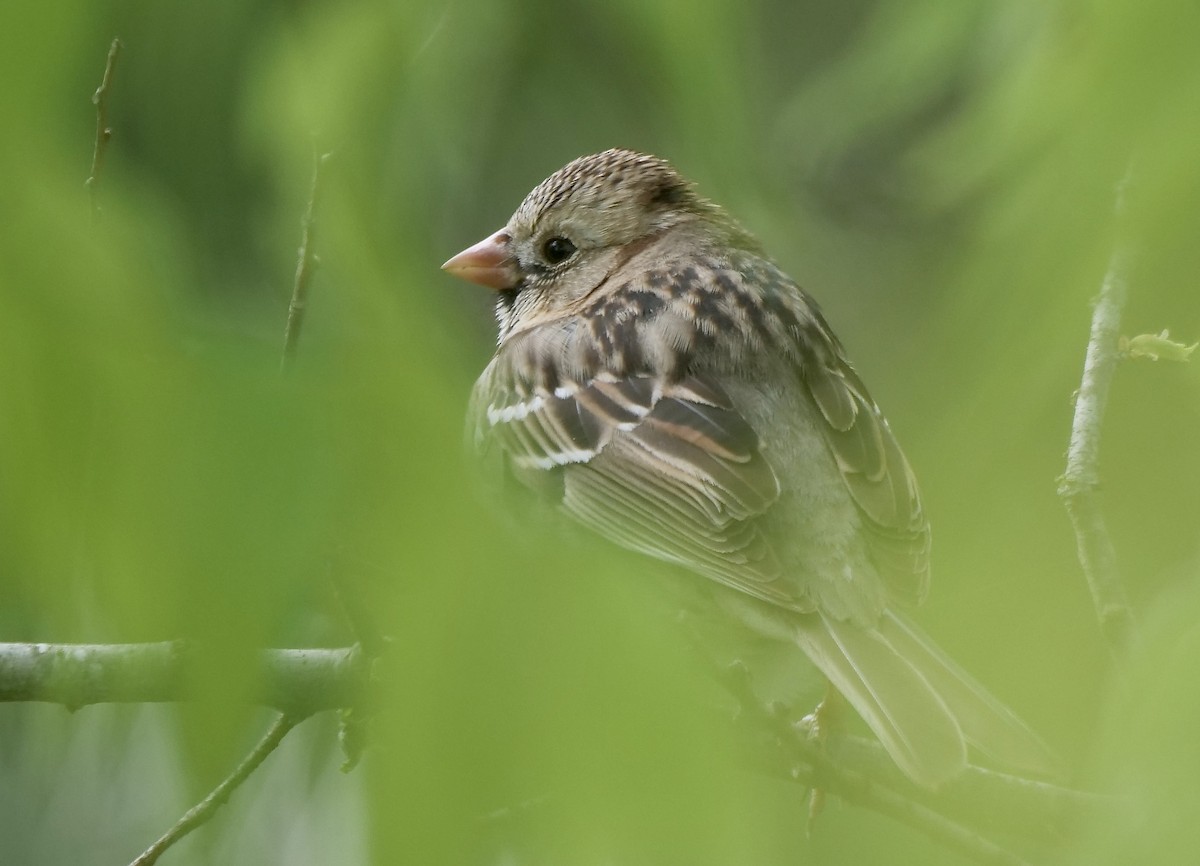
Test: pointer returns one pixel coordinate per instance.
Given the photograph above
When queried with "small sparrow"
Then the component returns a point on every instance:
(672, 389)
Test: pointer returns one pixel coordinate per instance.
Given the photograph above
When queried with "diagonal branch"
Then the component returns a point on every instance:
(306, 264)
(1079, 483)
(962, 815)
(219, 796)
(103, 130)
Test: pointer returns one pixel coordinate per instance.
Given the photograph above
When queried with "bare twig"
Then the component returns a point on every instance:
(298, 682)
(306, 263)
(1079, 483)
(860, 772)
(292, 677)
(103, 130)
(984, 799)
(863, 791)
(206, 808)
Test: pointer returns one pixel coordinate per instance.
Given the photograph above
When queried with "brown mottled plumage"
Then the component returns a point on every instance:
(682, 396)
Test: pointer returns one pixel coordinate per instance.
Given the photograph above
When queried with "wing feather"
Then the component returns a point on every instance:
(875, 471)
(667, 468)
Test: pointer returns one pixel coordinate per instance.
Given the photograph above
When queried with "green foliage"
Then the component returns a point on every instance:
(941, 176)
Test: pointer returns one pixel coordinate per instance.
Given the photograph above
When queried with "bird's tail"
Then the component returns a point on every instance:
(923, 707)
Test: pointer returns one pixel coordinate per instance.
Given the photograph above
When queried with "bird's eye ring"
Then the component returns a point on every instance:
(557, 250)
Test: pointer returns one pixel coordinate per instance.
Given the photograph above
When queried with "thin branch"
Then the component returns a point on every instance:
(957, 815)
(988, 800)
(862, 790)
(298, 682)
(103, 130)
(219, 796)
(306, 264)
(1081, 480)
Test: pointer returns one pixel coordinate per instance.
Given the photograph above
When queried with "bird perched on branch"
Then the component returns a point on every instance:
(675, 391)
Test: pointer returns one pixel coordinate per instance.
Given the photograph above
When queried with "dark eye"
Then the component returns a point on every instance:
(557, 250)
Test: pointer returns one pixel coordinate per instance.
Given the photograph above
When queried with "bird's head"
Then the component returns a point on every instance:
(575, 228)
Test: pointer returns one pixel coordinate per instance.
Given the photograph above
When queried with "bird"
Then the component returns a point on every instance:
(660, 379)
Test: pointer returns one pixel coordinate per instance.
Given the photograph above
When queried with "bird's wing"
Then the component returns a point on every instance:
(748, 294)
(876, 472)
(661, 465)
(655, 457)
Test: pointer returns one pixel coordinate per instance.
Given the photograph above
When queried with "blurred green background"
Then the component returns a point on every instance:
(941, 176)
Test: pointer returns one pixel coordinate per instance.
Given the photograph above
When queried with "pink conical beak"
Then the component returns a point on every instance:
(489, 263)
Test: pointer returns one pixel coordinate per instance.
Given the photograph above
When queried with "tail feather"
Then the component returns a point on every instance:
(897, 702)
(987, 724)
(922, 706)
